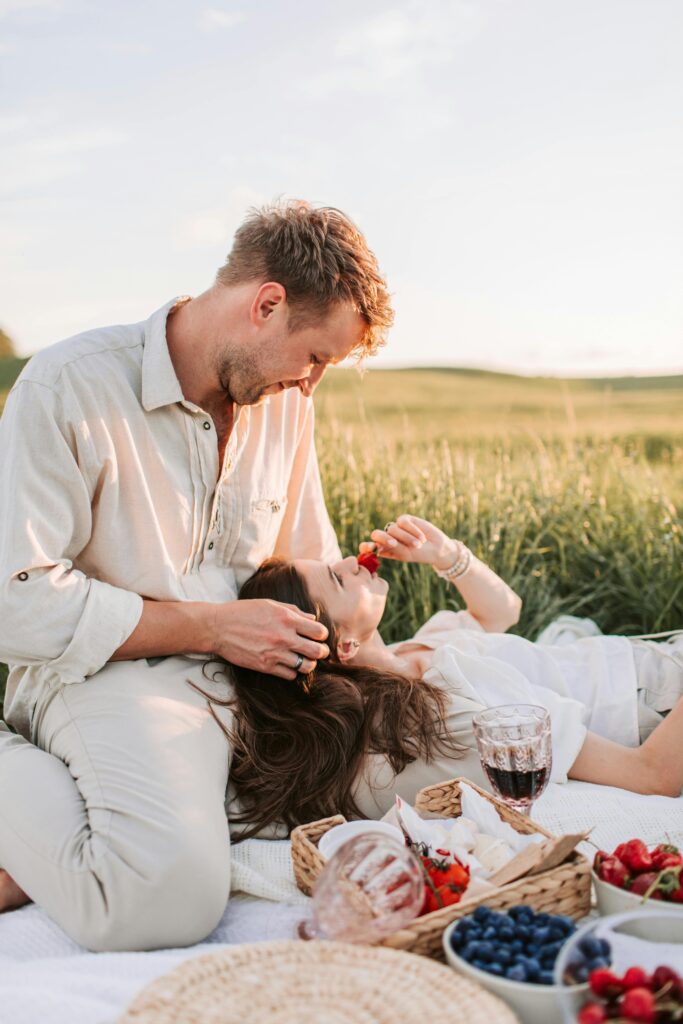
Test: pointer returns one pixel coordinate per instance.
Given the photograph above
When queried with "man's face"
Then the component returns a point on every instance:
(280, 358)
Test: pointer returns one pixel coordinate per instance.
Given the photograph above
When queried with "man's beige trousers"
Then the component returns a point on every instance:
(114, 822)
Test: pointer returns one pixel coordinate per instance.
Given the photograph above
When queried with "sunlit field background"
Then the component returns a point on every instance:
(571, 490)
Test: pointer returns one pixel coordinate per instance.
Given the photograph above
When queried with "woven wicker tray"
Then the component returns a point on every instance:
(565, 889)
(292, 982)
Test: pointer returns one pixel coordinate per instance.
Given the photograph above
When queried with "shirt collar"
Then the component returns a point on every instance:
(160, 385)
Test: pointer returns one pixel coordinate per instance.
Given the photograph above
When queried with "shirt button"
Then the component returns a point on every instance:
(207, 425)
(210, 545)
(23, 576)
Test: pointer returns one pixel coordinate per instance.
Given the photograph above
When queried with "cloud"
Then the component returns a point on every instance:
(213, 18)
(46, 157)
(393, 46)
(12, 122)
(34, 8)
(216, 225)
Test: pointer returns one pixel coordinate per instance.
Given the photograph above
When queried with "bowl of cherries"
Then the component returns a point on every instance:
(643, 979)
(634, 877)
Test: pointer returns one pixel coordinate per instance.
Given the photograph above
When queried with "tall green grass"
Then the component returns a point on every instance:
(577, 527)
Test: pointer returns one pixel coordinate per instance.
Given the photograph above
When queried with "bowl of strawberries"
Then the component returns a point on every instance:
(634, 877)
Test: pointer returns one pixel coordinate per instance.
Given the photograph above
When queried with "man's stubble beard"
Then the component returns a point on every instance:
(241, 379)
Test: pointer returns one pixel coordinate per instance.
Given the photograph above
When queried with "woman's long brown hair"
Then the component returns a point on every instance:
(299, 745)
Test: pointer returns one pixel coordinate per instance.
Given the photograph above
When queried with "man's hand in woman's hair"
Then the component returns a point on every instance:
(269, 636)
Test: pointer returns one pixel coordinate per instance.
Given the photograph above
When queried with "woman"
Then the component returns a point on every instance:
(377, 719)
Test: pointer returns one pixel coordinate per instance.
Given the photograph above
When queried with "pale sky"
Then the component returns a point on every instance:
(517, 165)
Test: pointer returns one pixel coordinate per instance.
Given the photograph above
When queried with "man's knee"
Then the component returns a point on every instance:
(178, 904)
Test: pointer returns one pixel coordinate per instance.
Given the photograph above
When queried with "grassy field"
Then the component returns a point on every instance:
(570, 489)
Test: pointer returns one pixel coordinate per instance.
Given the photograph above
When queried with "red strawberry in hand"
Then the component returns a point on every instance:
(369, 561)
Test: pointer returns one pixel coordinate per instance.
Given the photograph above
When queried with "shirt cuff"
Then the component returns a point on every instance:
(110, 615)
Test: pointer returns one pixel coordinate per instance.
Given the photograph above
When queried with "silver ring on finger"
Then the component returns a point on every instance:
(299, 662)
(386, 528)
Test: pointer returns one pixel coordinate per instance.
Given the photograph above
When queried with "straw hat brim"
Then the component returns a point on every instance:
(290, 982)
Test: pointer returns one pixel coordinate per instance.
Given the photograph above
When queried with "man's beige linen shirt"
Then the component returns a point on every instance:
(110, 492)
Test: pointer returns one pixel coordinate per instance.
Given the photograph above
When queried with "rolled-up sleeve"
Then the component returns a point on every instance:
(306, 530)
(51, 614)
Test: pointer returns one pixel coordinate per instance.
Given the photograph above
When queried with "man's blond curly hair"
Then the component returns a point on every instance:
(320, 258)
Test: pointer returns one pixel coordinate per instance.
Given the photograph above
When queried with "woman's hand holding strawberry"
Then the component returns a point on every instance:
(411, 539)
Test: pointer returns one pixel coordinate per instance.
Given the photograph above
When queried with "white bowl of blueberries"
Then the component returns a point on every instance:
(512, 954)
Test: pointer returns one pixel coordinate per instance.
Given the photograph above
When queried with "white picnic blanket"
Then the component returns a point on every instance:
(45, 978)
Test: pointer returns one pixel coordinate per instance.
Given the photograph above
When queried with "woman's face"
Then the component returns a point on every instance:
(353, 597)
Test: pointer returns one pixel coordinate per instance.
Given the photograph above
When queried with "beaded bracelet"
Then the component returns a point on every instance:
(460, 565)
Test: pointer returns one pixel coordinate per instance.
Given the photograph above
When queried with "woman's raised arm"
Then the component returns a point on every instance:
(488, 598)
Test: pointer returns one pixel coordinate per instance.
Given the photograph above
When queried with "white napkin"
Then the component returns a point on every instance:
(479, 819)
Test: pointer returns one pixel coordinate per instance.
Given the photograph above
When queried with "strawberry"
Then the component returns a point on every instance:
(635, 856)
(657, 885)
(369, 561)
(610, 869)
(666, 856)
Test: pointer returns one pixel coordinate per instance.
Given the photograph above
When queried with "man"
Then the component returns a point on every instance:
(146, 472)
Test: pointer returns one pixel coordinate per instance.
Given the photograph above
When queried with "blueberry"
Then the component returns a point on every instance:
(546, 978)
(469, 951)
(541, 935)
(495, 968)
(523, 931)
(597, 962)
(480, 965)
(503, 956)
(605, 949)
(516, 946)
(533, 968)
(589, 946)
(543, 919)
(553, 948)
(489, 933)
(582, 972)
(557, 934)
(457, 939)
(516, 973)
(566, 923)
(487, 951)
(496, 919)
(481, 915)
(515, 912)
(506, 933)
